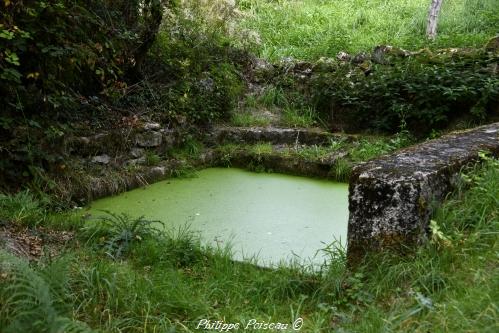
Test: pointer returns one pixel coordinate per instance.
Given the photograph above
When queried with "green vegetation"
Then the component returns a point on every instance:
(342, 153)
(248, 120)
(168, 282)
(22, 208)
(70, 70)
(75, 67)
(418, 94)
(310, 29)
(54, 51)
(151, 158)
(292, 117)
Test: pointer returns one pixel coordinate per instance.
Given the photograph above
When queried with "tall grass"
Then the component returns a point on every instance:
(168, 284)
(310, 29)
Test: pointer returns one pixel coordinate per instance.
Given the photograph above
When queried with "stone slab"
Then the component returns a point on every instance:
(274, 135)
(391, 198)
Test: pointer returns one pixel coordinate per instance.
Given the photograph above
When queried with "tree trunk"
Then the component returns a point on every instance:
(431, 29)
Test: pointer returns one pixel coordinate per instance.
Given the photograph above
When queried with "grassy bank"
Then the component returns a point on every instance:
(122, 276)
(310, 29)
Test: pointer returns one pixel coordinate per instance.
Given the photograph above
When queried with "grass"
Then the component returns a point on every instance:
(273, 96)
(344, 152)
(293, 117)
(151, 158)
(310, 29)
(261, 149)
(287, 108)
(371, 147)
(21, 208)
(170, 282)
(248, 120)
(360, 150)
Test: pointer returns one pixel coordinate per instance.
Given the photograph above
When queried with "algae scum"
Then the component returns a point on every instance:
(270, 217)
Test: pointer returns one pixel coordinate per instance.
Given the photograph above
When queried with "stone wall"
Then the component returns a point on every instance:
(391, 198)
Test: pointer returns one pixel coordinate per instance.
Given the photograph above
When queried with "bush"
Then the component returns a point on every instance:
(193, 75)
(55, 50)
(419, 93)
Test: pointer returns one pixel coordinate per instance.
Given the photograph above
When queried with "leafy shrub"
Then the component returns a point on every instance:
(419, 93)
(53, 49)
(59, 60)
(196, 71)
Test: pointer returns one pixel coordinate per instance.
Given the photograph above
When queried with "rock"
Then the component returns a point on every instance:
(136, 161)
(101, 159)
(207, 84)
(83, 140)
(278, 163)
(169, 140)
(324, 65)
(343, 56)
(262, 70)
(493, 45)
(148, 139)
(157, 173)
(360, 58)
(137, 152)
(386, 54)
(152, 126)
(391, 198)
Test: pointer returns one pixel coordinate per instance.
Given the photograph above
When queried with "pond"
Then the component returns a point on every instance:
(271, 217)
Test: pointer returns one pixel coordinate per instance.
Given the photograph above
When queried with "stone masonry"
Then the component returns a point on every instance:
(391, 198)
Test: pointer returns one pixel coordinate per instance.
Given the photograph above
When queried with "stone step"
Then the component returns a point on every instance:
(273, 135)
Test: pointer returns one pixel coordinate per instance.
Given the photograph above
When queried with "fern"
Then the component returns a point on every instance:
(120, 231)
(21, 208)
(28, 302)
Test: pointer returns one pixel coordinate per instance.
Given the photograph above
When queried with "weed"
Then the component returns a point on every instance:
(117, 232)
(227, 152)
(183, 247)
(184, 170)
(298, 117)
(21, 208)
(193, 146)
(273, 96)
(247, 120)
(366, 149)
(341, 169)
(261, 149)
(251, 101)
(313, 152)
(151, 158)
(32, 298)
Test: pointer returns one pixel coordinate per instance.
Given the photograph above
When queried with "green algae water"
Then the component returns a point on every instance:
(270, 218)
